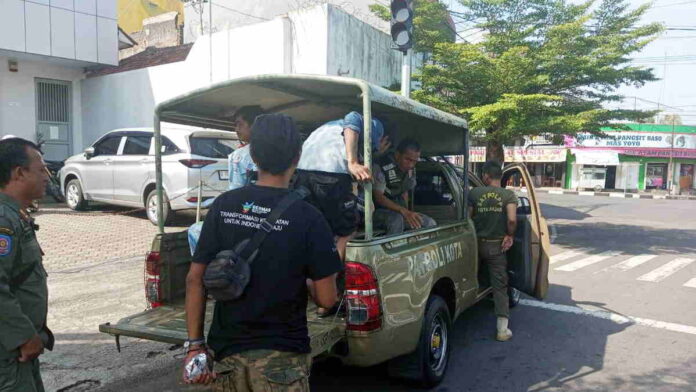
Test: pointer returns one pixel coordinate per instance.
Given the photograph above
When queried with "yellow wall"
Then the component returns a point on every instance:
(132, 12)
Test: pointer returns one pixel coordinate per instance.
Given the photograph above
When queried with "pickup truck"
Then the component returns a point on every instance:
(402, 292)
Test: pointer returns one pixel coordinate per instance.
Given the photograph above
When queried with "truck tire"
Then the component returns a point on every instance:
(151, 208)
(428, 364)
(74, 197)
(514, 296)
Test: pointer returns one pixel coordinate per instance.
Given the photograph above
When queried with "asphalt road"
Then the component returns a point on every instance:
(620, 316)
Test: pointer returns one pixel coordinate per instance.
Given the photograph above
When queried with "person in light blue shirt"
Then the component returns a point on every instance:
(329, 164)
(242, 168)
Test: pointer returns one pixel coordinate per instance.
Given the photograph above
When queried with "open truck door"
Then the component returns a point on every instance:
(528, 259)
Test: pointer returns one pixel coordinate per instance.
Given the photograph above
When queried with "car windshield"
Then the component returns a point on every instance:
(212, 147)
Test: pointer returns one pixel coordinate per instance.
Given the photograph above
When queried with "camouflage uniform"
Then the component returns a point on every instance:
(263, 371)
(23, 298)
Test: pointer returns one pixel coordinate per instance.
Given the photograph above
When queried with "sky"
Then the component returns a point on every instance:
(672, 56)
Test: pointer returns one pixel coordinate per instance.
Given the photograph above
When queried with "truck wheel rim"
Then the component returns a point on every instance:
(438, 343)
(73, 195)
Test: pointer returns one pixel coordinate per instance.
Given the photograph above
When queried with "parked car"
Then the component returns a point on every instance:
(119, 169)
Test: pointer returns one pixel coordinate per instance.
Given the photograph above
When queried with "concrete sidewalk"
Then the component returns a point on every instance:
(618, 194)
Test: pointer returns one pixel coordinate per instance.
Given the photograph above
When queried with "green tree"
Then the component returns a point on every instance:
(541, 67)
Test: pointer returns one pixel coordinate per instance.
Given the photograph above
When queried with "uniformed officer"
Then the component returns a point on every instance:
(494, 212)
(23, 287)
(394, 179)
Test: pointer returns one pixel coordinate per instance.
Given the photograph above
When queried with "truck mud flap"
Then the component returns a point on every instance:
(167, 324)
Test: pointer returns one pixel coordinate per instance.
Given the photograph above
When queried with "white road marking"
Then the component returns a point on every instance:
(554, 233)
(585, 193)
(565, 256)
(630, 263)
(621, 195)
(556, 192)
(576, 265)
(691, 283)
(617, 318)
(666, 270)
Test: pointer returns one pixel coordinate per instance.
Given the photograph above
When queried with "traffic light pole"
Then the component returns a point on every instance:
(406, 74)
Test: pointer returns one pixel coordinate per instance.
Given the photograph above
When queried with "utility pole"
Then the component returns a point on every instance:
(670, 166)
(406, 74)
(210, 36)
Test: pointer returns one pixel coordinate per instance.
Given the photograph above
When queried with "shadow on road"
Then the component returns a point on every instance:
(629, 239)
(549, 349)
(550, 211)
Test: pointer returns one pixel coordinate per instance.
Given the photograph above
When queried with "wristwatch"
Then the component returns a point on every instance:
(193, 342)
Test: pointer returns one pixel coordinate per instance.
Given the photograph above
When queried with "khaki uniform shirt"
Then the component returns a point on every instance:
(490, 210)
(23, 305)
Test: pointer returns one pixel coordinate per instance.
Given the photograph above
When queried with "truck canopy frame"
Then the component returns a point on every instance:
(312, 100)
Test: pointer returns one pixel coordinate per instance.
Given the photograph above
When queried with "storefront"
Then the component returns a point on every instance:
(646, 157)
(546, 164)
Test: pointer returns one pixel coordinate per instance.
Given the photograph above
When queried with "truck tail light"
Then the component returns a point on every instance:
(152, 280)
(362, 298)
(196, 163)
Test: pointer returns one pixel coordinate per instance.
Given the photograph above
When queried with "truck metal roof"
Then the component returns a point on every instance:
(313, 100)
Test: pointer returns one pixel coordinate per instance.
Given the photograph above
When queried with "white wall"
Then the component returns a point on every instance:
(310, 38)
(320, 40)
(80, 30)
(359, 50)
(18, 97)
(230, 14)
(128, 99)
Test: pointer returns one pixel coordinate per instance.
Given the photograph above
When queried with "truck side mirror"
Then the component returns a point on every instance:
(89, 152)
(524, 207)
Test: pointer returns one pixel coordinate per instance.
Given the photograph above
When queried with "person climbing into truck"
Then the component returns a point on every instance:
(494, 212)
(394, 179)
(330, 162)
(242, 169)
(260, 340)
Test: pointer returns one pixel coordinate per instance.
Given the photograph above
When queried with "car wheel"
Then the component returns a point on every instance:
(151, 208)
(428, 364)
(514, 296)
(74, 197)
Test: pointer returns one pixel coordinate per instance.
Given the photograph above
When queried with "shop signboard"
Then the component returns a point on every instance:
(625, 140)
(477, 154)
(532, 154)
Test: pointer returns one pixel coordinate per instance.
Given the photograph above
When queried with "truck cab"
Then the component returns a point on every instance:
(403, 292)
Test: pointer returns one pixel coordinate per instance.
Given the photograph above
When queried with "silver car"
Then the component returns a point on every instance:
(119, 169)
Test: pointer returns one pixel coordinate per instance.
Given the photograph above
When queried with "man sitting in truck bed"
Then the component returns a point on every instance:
(394, 179)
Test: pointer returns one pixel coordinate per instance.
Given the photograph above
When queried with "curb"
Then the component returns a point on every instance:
(620, 195)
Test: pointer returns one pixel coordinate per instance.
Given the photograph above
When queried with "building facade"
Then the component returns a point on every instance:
(321, 40)
(644, 157)
(44, 47)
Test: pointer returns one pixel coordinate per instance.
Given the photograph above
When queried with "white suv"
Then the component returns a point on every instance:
(119, 169)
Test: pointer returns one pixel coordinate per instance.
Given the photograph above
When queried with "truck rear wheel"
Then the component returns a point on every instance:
(428, 364)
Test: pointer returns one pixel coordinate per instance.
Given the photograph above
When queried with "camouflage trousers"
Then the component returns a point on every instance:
(263, 371)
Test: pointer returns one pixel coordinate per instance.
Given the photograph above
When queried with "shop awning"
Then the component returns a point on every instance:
(596, 157)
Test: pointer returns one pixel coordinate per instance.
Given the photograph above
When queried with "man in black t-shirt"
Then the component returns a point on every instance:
(261, 340)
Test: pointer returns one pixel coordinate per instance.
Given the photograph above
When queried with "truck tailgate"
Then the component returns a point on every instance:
(167, 324)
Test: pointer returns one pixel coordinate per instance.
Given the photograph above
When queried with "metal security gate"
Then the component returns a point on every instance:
(53, 118)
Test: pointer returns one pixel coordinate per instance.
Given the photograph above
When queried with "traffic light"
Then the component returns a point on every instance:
(402, 24)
